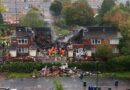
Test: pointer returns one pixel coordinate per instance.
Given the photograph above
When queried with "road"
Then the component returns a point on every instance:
(69, 83)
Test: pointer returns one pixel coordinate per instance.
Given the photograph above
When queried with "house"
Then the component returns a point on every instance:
(90, 37)
(18, 8)
(43, 37)
(22, 42)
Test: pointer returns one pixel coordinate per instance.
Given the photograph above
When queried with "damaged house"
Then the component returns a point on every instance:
(43, 37)
(22, 43)
(88, 38)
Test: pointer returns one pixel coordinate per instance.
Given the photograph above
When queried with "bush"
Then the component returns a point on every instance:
(121, 63)
(87, 66)
(24, 67)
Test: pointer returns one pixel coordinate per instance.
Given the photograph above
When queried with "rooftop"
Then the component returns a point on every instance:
(101, 32)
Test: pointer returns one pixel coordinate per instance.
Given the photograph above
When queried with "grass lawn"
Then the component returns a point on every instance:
(117, 75)
(19, 75)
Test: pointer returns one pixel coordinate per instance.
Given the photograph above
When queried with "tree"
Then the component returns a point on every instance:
(56, 8)
(103, 52)
(1, 19)
(118, 15)
(124, 45)
(105, 7)
(33, 18)
(78, 13)
(2, 7)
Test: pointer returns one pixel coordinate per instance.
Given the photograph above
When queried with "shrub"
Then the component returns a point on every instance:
(25, 67)
(87, 66)
(121, 63)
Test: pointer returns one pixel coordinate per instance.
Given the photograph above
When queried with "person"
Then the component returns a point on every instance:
(81, 76)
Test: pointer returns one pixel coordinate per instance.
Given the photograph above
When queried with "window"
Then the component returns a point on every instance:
(114, 41)
(23, 50)
(96, 41)
(22, 41)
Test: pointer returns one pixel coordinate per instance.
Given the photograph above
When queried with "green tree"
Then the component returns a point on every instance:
(2, 9)
(105, 7)
(124, 45)
(78, 13)
(33, 18)
(56, 8)
(1, 19)
(118, 15)
(103, 52)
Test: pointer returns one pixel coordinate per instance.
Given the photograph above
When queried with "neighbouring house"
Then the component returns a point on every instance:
(22, 44)
(43, 37)
(86, 42)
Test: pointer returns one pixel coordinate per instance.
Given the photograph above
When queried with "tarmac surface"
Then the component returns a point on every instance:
(69, 83)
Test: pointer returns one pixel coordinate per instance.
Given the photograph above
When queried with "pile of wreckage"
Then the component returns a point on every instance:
(64, 71)
(59, 71)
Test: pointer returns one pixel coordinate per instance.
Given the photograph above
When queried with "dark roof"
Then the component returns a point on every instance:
(23, 31)
(101, 32)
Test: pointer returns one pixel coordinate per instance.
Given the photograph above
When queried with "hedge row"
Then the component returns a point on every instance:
(25, 67)
(121, 63)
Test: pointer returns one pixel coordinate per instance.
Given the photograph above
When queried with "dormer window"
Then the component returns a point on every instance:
(95, 41)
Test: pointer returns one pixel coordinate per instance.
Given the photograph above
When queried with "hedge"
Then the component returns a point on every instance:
(121, 63)
(25, 67)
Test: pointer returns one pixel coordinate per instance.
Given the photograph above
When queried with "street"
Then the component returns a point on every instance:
(69, 83)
